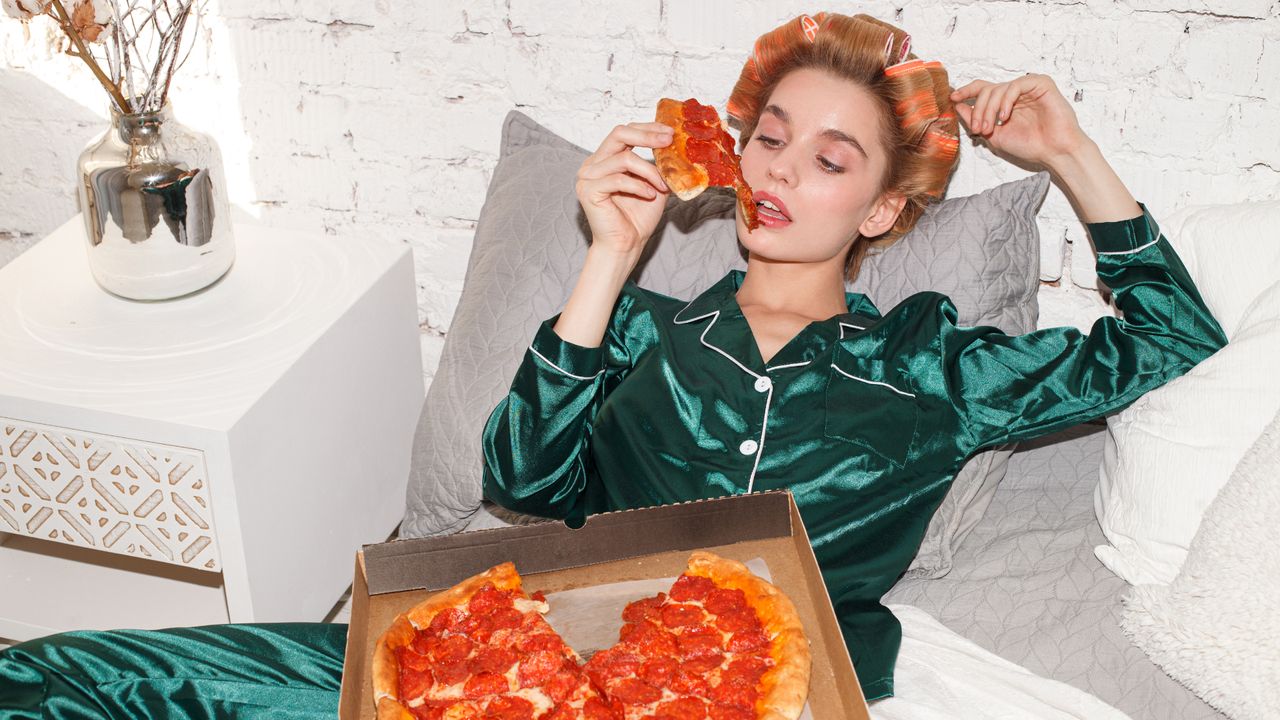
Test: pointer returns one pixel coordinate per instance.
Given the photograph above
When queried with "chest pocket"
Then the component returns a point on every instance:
(871, 406)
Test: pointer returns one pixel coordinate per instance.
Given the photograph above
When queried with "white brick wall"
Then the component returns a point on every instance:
(380, 120)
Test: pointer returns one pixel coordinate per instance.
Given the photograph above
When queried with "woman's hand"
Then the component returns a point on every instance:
(1039, 126)
(1027, 118)
(623, 195)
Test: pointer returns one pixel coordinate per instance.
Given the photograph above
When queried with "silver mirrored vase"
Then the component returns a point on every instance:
(154, 201)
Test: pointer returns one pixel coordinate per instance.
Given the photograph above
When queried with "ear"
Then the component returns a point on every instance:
(883, 215)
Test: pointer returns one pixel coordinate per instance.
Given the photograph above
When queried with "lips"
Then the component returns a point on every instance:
(772, 211)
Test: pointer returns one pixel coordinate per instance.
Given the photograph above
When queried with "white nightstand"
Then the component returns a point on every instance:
(214, 458)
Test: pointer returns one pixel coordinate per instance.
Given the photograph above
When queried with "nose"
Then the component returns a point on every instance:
(781, 168)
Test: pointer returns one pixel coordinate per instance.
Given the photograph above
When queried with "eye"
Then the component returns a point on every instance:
(828, 166)
(768, 141)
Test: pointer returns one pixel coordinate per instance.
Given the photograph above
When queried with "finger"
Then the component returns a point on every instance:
(625, 137)
(980, 111)
(994, 102)
(965, 113)
(601, 190)
(624, 162)
(969, 90)
(1006, 106)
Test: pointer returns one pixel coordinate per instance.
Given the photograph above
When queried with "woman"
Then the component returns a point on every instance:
(771, 379)
(776, 378)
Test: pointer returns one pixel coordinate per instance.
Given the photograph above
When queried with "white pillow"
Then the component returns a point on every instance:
(1168, 454)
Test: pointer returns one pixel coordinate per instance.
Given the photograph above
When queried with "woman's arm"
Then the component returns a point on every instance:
(535, 441)
(1016, 387)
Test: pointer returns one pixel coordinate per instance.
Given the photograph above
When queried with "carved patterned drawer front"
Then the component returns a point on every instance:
(107, 493)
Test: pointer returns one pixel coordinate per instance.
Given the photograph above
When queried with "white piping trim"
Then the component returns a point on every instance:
(844, 325)
(872, 382)
(764, 428)
(715, 315)
(562, 370)
(779, 367)
(764, 425)
(1130, 252)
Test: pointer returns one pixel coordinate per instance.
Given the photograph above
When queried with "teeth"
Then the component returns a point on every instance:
(770, 205)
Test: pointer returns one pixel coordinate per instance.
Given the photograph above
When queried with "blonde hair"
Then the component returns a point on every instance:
(919, 130)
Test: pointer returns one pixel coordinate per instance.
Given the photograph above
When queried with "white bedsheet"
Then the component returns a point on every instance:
(941, 675)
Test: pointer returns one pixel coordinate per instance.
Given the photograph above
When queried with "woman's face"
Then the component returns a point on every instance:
(816, 155)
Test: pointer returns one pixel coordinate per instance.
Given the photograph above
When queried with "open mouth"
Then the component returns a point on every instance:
(771, 210)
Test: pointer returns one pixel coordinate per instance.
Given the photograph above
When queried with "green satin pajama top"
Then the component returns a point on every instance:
(865, 417)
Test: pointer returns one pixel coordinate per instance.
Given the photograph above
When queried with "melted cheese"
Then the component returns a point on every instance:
(526, 605)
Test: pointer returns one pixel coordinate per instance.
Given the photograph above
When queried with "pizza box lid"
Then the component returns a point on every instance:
(635, 544)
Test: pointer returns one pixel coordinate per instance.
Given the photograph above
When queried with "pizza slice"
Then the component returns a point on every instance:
(701, 155)
(481, 649)
(723, 644)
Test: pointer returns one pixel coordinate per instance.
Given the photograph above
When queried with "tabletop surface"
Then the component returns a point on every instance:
(202, 359)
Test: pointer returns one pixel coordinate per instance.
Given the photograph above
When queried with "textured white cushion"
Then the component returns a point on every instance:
(1216, 628)
(1168, 454)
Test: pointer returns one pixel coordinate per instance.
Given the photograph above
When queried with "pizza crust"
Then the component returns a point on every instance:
(386, 663)
(685, 179)
(784, 688)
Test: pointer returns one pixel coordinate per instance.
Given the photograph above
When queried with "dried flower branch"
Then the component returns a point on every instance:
(139, 42)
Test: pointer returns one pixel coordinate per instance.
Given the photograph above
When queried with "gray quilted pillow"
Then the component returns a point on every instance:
(530, 244)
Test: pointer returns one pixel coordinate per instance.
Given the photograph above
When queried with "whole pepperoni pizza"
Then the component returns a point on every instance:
(723, 644)
(701, 155)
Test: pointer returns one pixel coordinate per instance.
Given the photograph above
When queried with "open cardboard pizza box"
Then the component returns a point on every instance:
(632, 545)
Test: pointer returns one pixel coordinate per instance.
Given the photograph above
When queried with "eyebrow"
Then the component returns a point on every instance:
(829, 133)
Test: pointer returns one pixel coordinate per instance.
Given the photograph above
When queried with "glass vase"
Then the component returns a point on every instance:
(154, 202)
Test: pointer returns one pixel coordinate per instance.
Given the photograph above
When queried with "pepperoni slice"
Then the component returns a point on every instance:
(428, 712)
(412, 660)
(702, 131)
(691, 588)
(539, 641)
(745, 671)
(734, 695)
(634, 691)
(452, 673)
(646, 609)
(737, 620)
(485, 684)
(696, 646)
(658, 671)
(687, 683)
(612, 663)
(723, 601)
(414, 683)
(703, 151)
(509, 708)
(537, 667)
(704, 663)
(747, 640)
(596, 709)
(720, 174)
(452, 649)
(562, 685)
(697, 112)
(677, 615)
(507, 617)
(494, 660)
(487, 599)
(652, 640)
(682, 709)
(446, 619)
(726, 712)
